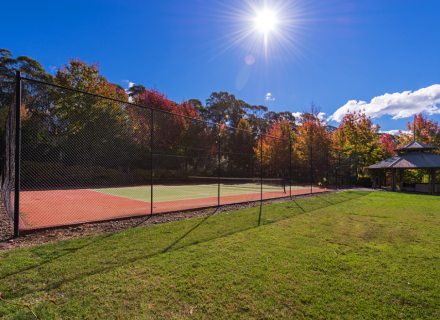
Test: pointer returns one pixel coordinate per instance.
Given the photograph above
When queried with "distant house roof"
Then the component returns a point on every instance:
(415, 146)
(419, 160)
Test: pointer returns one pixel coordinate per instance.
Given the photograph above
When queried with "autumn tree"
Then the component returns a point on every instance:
(93, 128)
(427, 131)
(388, 145)
(172, 132)
(274, 149)
(358, 136)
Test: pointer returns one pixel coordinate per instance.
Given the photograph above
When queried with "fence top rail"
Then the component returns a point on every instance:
(171, 113)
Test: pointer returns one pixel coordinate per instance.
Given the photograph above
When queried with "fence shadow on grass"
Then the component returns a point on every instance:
(107, 252)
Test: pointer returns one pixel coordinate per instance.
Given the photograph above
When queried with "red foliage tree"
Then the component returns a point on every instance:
(388, 145)
(427, 131)
(171, 130)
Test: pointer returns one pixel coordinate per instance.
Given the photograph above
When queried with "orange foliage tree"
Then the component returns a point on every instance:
(273, 149)
(310, 151)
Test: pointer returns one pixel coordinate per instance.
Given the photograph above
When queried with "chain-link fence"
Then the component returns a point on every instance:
(8, 162)
(86, 157)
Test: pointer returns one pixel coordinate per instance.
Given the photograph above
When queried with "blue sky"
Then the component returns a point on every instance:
(328, 51)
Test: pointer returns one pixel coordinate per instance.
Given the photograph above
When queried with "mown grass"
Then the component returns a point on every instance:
(346, 255)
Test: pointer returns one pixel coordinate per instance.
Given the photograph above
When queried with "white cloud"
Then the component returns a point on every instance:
(130, 84)
(396, 132)
(321, 115)
(297, 115)
(269, 96)
(398, 105)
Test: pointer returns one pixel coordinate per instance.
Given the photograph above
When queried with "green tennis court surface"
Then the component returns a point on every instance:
(170, 193)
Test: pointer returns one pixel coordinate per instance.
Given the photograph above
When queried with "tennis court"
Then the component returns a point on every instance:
(130, 160)
(50, 208)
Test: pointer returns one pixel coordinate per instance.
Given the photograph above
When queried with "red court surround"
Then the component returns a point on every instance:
(46, 209)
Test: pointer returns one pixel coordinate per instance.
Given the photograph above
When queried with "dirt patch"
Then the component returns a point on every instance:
(7, 241)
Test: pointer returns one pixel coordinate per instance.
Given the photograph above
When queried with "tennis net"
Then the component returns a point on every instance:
(229, 182)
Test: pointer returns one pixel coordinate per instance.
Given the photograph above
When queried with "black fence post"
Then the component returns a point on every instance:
(17, 153)
(252, 167)
(290, 168)
(339, 172)
(326, 171)
(151, 156)
(349, 172)
(219, 151)
(311, 169)
(261, 169)
(357, 173)
(3, 156)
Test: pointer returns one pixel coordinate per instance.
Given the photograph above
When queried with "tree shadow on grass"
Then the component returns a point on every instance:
(112, 251)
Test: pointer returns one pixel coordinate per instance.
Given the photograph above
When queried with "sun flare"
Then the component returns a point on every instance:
(265, 21)
(269, 28)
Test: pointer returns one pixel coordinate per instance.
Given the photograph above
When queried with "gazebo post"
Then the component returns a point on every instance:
(393, 180)
(373, 173)
(401, 178)
(379, 183)
(432, 181)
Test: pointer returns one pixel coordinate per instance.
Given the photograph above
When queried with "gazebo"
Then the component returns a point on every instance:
(414, 155)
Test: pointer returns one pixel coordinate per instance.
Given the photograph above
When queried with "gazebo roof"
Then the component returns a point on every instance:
(415, 146)
(419, 160)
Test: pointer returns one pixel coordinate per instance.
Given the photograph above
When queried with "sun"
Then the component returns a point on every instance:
(269, 28)
(265, 21)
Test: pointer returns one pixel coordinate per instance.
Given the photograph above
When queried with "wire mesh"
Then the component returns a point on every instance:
(237, 166)
(275, 162)
(300, 178)
(82, 157)
(88, 158)
(333, 169)
(319, 165)
(8, 162)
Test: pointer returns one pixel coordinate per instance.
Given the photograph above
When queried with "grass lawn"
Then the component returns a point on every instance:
(347, 255)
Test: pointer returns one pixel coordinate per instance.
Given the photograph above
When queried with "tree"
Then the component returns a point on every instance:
(172, 133)
(91, 128)
(313, 129)
(274, 149)
(427, 131)
(136, 90)
(198, 106)
(255, 117)
(223, 107)
(388, 145)
(272, 116)
(358, 136)
(238, 149)
(31, 69)
(81, 76)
